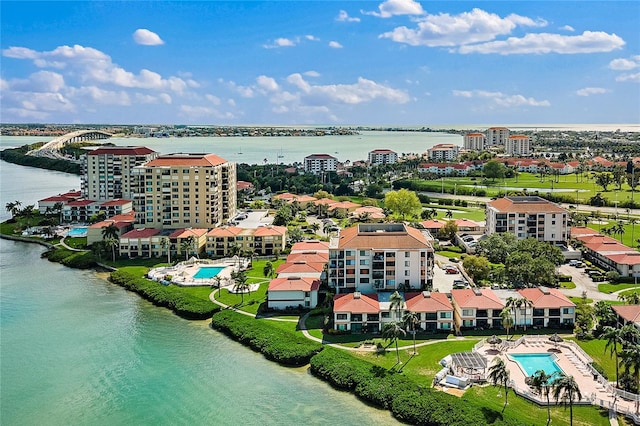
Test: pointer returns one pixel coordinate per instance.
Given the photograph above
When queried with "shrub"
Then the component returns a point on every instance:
(183, 304)
(72, 259)
(274, 343)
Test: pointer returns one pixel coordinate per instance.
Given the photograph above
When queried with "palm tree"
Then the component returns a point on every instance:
(618, 228)
(633, 222)
(165, 243)
(566, 389)
(13, 208)
(28, 212)
(185, 245)
(396, 303)
(506, 319)
(499, 376)
(323, 210)
(392, 331)
(512, 303)
(410, 320)
(109, 235)
(613, 336)
(448, 214)
(526, 303)
(540, 382)
(268, 269)
(632, 298)
(240, 283)
(326, 227)
(315, 226)
(630, 356)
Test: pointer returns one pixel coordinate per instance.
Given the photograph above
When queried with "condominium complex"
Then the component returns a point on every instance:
(106, 171)
(474, 141)
(379, 157)
(443, 151)
(318, 163)
(263, 241)
(517, 146)
(497, 136)
(187, 191)
(387, 256)
(528, 217)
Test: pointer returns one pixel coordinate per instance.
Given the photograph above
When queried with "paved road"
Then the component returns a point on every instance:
(583, 283)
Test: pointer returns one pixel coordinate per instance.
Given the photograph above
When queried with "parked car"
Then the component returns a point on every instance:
(454, 259)
(457, 284)
(452, 270)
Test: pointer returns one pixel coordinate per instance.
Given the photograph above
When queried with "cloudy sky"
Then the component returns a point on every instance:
(397, 62)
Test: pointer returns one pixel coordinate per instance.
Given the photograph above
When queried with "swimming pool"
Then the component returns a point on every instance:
(78, 231)
(208, 272)
(530, 363)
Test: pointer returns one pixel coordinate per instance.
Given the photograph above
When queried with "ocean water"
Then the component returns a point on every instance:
(76, 349)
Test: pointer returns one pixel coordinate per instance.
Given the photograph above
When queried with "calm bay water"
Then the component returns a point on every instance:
(75, 349)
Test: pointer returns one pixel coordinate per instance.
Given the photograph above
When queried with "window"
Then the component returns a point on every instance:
(342, 317)
(407, 254)
(364, 280)
(445, 315)
(407, 263)
(356, 317)
(467, 312)
(467, 323)
(567, 311)
(384, 314)
(364, 271)
(406, 273)
(364, 261)
(445, 326)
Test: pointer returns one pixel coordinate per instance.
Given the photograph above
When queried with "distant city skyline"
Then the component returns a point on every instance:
(397, 62)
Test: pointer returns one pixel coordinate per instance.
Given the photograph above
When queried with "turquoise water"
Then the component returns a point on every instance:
(78, 231)
(531, 363)
(208, 271)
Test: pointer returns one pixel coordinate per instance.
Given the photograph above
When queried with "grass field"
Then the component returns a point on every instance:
(611, 288)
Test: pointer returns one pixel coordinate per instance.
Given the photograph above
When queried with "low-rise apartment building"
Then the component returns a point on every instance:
(607, 252)
(293, 292)
(82, 210)
(443, 152)
(263, 241)
(445, 169)
(549, 308)
(528, 217)
(371, 257)
(476, 308)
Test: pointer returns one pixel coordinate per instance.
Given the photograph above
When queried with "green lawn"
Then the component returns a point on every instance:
(595, 349)
(567, 285)
(251, 302)
(610, 288)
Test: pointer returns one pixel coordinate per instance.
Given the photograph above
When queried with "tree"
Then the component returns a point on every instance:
(512, 303)
(28, 212)
(618, 175)
(391, 332)
(396, 304)
(448, 214)
(13, 208)
(630, 359)
(295, 235)
(268, 269)
(499, 376)
(525, 303)
(323, 210)
(540, 382)
(603, 179)
(632, 298)
(613, 337)
(506, 319)
(283, 216)
(185, 245)
(326, 227)
(165, 243)
(496, 247)
(494, 170)
(240, 283)
(477, 267)
(428, 214)
(566, 389)
(110, 237)
(403, 202)
(410, 320)
(449, 230)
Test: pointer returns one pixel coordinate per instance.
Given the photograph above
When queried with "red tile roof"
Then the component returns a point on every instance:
(427, 302)
(294, 284)
(467, 298)
(309, 257)
(364, 304)
(382, 151)
(344, 205)
(186, 160)
(78, 203)
(270, 231)
(310, 245)
(525, 205)
(578, 231)
(405, 237)
(319, 157)
(121, 150)
(301, 267)
(118, 202)
(632, 258)
(105, 223)
(327, 201)
(628, 312)
(141, 233)
(546, 298)
(55, 199)
(225, 231)
(188, 232)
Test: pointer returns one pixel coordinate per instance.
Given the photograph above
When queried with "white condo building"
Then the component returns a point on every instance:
(497, 136)
(443, 152)
(518, 146)
(528, 217)
(378, 157)
(474, 141)
(318, 163)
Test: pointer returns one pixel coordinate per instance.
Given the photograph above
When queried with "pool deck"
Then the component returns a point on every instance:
(573, 362)
(183, 273)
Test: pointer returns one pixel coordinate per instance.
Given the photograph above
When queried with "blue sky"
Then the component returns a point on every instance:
(397, 62)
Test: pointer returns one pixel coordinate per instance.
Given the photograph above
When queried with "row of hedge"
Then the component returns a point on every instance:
(183, 304)
(70, 258)
(19, 156)
(274, 343)
(408, 401)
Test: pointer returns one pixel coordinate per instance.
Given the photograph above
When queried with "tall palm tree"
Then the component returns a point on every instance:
(240, 283)
(109, 234)
(512, 303)
(392, 331)
(630, 360)
(632, 298)
(499, 375)
(540, 382)
(566, 389)
(165, 243)
(525, 303)
(633, 222)
(613, 336)
(13, 208)
(185, 245)
(410, 320)
(448, 214)
(619, 229)
(506, 319)
(396, 304)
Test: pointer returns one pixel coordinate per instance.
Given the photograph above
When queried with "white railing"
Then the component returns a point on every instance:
(480, 344)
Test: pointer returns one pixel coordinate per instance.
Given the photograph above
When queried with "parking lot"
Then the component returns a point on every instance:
(254, 219)
(442, 281)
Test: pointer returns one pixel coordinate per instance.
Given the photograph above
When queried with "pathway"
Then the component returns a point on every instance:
(63, 244)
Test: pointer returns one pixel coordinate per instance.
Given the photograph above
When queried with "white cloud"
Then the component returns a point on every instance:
(587, 42)
(267, 84)
(311, 73)
(311, 37)
(280, 42)
(501, 99)
(143, 98)
(335, 45)
(213, 99)
(343, 16)
(191, 112)
(243, 91)
(634, 78)
(567, 28)
(41, 81)
(391, 8)
(588, 91)
(623, 64)
(455, 30)
(147, 38)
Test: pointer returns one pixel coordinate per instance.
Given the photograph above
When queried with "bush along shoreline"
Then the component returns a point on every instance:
(182, 304)
(274, 343)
